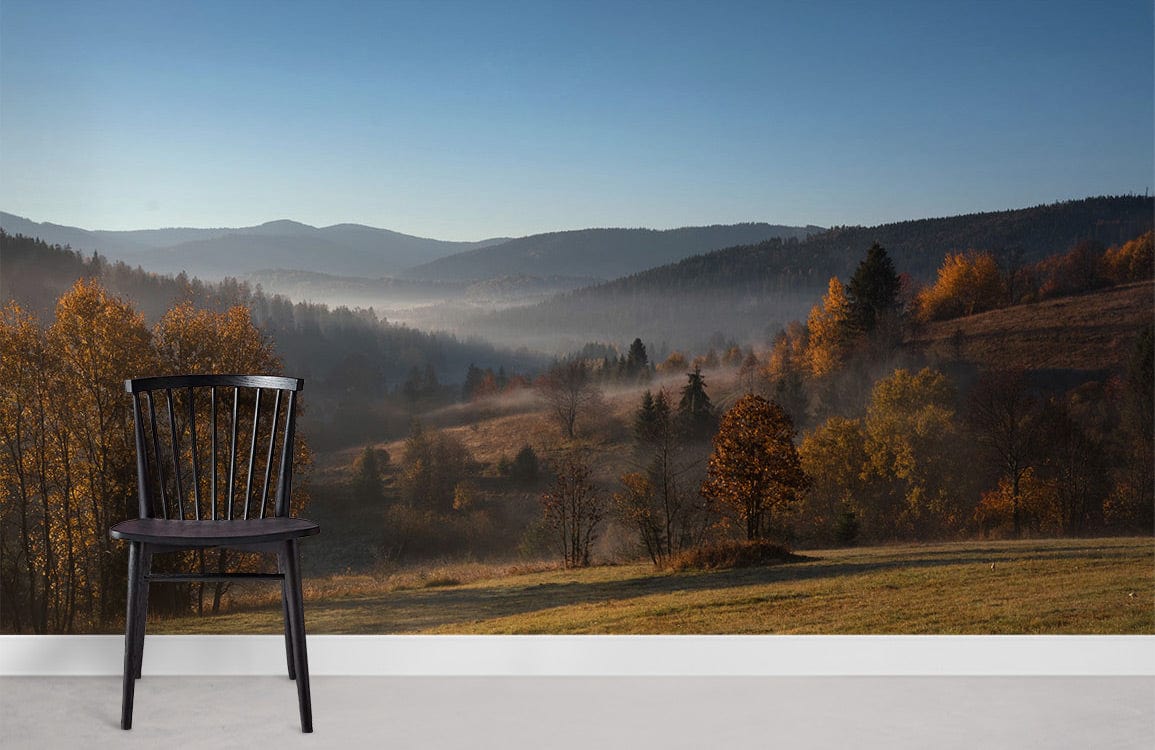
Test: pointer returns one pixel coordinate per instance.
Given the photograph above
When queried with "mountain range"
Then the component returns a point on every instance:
(354, 250)
(601, 253)
(343, 249)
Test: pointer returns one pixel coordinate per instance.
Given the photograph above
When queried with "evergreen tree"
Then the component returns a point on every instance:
(873, 290)
(366, 482)
(474, 377)
(645, 419)
(637, 361)
(695, 412)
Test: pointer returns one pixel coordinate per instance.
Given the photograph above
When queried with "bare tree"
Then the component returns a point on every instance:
(569, 392)
(1004, 414)
(574, 507)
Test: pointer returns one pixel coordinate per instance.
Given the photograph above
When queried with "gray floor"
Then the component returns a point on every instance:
(588, 713)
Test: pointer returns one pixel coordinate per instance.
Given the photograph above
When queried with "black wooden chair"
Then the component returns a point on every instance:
(184, 507)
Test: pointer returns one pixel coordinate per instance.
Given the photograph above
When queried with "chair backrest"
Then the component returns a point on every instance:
(186, 471)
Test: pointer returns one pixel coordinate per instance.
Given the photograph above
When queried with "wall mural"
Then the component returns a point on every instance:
(839, 424)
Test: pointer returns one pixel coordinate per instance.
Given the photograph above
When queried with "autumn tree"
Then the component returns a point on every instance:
(675, 362)
(1131, 261)
(31, 506)
(967, 283)
(98, 341)
(748, 372)
(829, 330)
(918, 452)
(570, 393)
(1078, 270)
(834, 454)
(1005, 415)
(432, 465)
(786, 368)
(1132, 500)
(755, 470)
(1074, 462)
(574, 507)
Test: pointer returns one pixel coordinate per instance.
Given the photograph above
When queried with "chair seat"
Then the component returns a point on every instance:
(213, 533)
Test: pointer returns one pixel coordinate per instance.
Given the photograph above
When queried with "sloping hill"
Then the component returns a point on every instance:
(748, 291)
(598, 253)
(1088, 332)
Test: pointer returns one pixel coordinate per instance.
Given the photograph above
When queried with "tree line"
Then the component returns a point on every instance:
(67, 461)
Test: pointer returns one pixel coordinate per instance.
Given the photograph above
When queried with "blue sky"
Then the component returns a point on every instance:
(471, 120)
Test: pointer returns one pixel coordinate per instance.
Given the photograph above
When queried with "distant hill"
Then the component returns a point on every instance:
(749, 291)
(598, 253)
(346, 249)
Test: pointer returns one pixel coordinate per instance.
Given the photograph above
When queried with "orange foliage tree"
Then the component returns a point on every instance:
(829, 326)
(755, 469)
(1132, 261)
(967, 283)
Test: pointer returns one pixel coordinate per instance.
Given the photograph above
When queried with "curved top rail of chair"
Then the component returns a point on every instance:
(138, 385)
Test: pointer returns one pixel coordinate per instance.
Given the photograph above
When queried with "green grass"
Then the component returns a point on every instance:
(1048, 586)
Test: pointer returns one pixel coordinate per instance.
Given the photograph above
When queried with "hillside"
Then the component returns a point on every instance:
(352, 357)
(598, 253)
(349, 249)
(1087, 332)
(750, 291)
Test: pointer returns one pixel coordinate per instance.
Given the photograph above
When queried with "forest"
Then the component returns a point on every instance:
(749, 292)
(840, 426)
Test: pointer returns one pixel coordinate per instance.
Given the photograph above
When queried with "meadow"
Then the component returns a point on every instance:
(1052, 586)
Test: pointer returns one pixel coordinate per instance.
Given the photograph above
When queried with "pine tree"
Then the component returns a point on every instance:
(366, 481)
(695, 412)
(873, 290)
(645, 419)
(637, 361)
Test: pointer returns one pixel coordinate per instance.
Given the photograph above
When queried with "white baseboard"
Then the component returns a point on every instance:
(445, 655)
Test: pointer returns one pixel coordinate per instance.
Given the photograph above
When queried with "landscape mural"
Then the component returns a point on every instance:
(812, 424)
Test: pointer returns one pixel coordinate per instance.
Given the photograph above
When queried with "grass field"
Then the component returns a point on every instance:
(1042, 586)
(1088, 332)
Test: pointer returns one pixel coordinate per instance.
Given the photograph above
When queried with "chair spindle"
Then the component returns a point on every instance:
(157, 455)
(196, 475)
(284, 485)
(175, 456)
(269, 456)
(252, 451)
(213, 451)
(233, 450)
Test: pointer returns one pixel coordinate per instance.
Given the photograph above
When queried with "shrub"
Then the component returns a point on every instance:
(732, 554)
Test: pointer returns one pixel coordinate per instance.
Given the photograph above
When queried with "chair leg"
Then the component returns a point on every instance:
(142, 607)
(285, 612)
(131, 622)
(297, 620)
